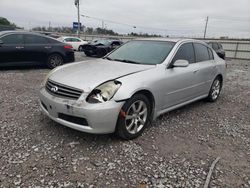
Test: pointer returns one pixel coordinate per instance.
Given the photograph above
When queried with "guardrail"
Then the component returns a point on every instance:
(235, 48)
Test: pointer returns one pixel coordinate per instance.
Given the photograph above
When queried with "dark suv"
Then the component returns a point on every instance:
(218, 49)
(25, 48)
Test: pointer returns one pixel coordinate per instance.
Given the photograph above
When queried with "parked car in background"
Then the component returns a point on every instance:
(218, 49)
(133, 85)
(26, 48)
(75, 42)
(100, 47)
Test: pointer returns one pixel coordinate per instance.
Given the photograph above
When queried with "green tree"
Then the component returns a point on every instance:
(5, 22)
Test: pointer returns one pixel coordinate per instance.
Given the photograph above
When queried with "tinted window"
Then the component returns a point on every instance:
(211, 56)
(76, 40)
(68, 40)
(201, 52)
(145, 52)
(215, 46)
(53, 41)
(72, 40)
(186, 52)
(34, 39)
(13, 39)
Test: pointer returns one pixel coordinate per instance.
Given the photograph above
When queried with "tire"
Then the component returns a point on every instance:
(54, 60)
(215, 90)
(132, 121)
(88, 54)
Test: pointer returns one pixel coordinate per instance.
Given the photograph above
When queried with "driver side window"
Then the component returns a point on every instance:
(186, 52)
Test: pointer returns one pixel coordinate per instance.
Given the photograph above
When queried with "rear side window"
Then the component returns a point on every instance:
(186, 52)
(13, 39)
(34, 39)
(201, 52)
(210, 53)
(53, 41)
(76, 40)
(68, 40)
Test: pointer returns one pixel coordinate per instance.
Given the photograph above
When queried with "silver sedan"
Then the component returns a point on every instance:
(128, 88)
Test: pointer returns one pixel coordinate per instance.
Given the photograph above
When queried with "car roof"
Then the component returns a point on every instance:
(69, 37)
(175, 40)
(20, 32)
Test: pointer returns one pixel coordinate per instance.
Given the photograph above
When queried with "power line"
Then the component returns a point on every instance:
(230, 19)
(135, 26)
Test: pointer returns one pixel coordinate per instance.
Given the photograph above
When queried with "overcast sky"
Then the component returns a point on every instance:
(176, 17)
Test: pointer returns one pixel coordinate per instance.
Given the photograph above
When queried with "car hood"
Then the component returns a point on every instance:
(87, 75)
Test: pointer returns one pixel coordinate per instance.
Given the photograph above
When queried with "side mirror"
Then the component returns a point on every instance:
(181, 63)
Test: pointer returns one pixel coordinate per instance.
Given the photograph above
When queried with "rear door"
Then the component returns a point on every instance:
(36, 48)
(181, 82)
(12, 49)
(207, 67)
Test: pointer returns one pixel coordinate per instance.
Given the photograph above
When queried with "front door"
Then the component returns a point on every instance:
(12, 49)
(180, 83)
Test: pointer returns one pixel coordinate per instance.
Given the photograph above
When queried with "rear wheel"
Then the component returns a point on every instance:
(54, 60)
(88, 54)
(134, 117)
(215, 89)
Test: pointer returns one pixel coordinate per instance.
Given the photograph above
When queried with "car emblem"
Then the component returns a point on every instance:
(54, 89)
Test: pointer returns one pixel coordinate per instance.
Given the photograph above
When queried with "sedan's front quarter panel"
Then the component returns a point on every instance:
(142, 81)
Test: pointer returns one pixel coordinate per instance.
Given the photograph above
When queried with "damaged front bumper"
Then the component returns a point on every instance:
(98, 118)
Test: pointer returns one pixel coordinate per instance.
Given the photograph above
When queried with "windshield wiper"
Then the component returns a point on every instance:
(108, 58)
(127, 61)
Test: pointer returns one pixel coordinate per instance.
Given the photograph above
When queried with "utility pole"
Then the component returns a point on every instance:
(49, 25)
(205, 31)
(77, 4)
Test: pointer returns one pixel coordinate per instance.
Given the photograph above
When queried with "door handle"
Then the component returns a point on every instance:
(195, 71)
(19, 47)
(47, 47)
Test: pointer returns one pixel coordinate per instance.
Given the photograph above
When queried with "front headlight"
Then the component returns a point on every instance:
(104, 92)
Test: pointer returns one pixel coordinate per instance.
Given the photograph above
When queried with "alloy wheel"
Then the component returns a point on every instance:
(136, 117)
(56, 60)
(216, 89)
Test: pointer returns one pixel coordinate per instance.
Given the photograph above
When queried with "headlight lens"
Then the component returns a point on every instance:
(104, 92)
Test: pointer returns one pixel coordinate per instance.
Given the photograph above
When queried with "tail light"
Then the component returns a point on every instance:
(68, 47)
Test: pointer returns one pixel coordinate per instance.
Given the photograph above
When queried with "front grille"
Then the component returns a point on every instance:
(73, 119)
(63, 91)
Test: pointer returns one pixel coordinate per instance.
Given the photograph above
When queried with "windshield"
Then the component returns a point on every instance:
(142, 52)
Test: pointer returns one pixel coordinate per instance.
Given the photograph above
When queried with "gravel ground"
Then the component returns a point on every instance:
(175, 151)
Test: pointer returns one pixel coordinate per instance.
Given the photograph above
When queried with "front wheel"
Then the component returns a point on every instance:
(54, 60)
(134, 117)
(215, 90)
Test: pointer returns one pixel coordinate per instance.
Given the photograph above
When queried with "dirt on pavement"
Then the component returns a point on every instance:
(175, 151)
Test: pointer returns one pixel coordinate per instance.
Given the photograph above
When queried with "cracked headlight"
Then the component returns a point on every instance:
(104, 92)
